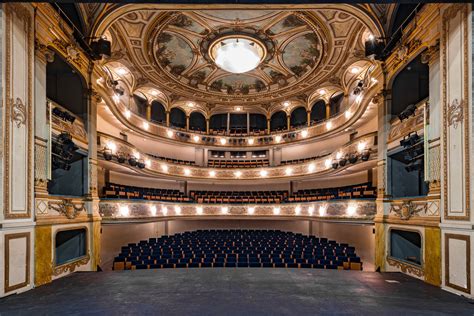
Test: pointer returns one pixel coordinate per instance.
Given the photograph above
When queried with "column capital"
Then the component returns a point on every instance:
(43, 53)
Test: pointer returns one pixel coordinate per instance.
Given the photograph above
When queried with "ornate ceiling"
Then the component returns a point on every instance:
(169, 51)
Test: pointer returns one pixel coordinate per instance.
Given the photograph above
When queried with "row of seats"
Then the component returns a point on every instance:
(119, 191)
(237, 132)
(175, 161)
(239, 196)
(112, 190)
(214, 163)
(366, 191)
(237, 248)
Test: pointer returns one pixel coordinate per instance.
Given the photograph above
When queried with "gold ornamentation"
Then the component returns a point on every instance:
(71, 267)
(455, 113)
(406, 267)
(407, 209)
(67, 207)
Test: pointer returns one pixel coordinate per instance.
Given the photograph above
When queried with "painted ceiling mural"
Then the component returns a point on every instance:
(169, 50)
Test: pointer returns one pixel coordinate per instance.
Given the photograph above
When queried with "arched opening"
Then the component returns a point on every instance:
(410, 86)
(258, 122)
(278, 121)
(177, 118)
(158, 112)
(218, 122)
(141, 104)
(197, 122)
(335, 103)
(318, 112)
(298, 117)
(238, 123)
(67, 89)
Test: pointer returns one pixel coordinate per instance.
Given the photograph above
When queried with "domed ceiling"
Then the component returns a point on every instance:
(169, 50)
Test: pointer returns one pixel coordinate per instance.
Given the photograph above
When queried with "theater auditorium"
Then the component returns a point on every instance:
(236, 158)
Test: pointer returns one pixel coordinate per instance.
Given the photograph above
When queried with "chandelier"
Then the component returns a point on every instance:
(237, 54)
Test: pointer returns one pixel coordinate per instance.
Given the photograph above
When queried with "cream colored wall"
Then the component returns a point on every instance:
(114, 236)
(360, 236)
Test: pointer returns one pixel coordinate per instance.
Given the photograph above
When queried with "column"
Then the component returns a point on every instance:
(42, 122)
(268, 126)
(187, 122)
(207, 126)
(228, 122)
(308, 118)
(328, 111)
(148, 111)
(288, 121)
(168, 118)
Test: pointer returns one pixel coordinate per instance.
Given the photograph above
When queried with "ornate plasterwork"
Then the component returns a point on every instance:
(169, 50)
(110, 210)
(407, 209)
(67, 207)
(18, 112)
(406, 267)
(455, 113)
(71, 267)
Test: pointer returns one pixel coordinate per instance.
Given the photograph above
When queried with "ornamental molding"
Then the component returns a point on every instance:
(455, 113)
(67, 208)
(19, 114)
(71, 267)
(406, 267)
(408, 209)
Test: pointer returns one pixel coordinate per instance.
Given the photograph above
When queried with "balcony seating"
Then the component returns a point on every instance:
(237, 197)
(237, 249)
(118, 191)
(360, 191)
(256, 163)
(175, 161)
(300, 161)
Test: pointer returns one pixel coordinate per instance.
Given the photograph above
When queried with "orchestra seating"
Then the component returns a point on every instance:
(214, 163)
(237, 249)
(119, 191)
(360, 191)
(259, 197)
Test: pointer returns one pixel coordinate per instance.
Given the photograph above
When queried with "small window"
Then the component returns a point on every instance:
(70, 245)
(406, 246)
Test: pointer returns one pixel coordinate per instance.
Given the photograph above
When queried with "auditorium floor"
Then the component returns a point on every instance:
(236, 292)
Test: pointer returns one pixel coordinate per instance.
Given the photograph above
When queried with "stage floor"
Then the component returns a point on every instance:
(236, 292)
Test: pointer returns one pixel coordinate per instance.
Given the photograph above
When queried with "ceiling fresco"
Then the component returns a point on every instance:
(169, 51)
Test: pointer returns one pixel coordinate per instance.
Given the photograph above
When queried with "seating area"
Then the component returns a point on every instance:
(172, 160)
(215, 163)
(239, 197)
(237, 249)
(118, 191)
(300, 161)
(360, 191)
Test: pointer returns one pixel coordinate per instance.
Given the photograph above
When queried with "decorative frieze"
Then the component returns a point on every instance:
(406, 267)
(407, 209)
(67, 208)
(344, 210)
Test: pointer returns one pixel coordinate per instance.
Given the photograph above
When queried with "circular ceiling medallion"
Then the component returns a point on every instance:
(237, 53)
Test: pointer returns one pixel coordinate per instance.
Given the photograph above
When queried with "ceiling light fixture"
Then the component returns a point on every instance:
(322, 92)
(355, 70)
(187, 172)
(311, 167)
(237, 54)
(238, 174)
(304, 133)
(212, 173)
(250, 210)
(122, 71)
(146, 126)
(263, 173)
(223, 141)
(127, 114)
(286, 104)
(196, 138)
(250, 141)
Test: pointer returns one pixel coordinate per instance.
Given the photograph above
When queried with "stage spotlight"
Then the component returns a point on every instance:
(374, 48)
(335, 164)
(108, 154)
(353, 158)
(100, 48)
(121, 158)
(343, 161)
(132, 161)
(141, 163)
(365, 155)
(409, 111)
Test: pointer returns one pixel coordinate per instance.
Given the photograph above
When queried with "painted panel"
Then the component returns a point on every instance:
(17, 261)
(458, 262)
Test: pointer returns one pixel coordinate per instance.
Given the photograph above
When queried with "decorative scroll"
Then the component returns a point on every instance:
(67, 208)
(18, 112)
(405, 267)
(455, 113)
(71, 267)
